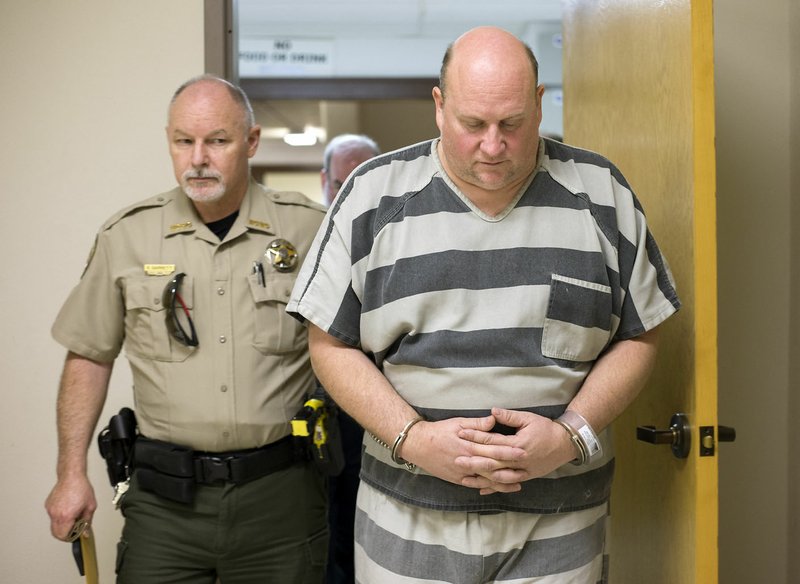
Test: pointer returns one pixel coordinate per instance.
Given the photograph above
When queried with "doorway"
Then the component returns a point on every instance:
(346, 66)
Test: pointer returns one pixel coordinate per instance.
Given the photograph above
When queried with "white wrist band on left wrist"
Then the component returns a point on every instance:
(582, 434)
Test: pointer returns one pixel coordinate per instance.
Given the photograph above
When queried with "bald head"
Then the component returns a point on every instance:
(489, 117)
(212, 82)
(488, 46)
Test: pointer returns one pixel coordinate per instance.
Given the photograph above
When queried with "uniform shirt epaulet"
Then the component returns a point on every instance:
(294, 198)
(155, 201)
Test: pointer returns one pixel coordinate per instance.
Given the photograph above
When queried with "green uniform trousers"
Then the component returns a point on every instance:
(272, 529)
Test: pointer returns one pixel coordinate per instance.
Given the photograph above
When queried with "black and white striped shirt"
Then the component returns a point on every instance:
(462, 311)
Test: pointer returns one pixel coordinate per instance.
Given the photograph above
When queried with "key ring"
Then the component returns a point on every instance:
(81, 525)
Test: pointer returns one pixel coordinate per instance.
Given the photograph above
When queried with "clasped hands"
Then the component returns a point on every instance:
(465, 451)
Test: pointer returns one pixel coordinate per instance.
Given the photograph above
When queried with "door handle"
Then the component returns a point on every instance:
(679, 436)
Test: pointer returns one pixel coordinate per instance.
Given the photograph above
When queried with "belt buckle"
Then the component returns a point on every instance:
(216, 469)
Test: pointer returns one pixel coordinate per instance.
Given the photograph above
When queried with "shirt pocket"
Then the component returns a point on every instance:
(275, 331)
(577, 326)
(146, 332)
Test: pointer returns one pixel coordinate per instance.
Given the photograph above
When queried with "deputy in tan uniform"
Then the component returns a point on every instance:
(193, 283)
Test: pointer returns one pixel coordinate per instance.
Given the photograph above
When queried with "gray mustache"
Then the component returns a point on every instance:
(201, 174)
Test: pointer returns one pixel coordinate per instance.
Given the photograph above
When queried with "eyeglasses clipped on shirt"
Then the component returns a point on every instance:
(177, 318)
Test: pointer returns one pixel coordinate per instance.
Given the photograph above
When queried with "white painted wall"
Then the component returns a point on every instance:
(85, 89)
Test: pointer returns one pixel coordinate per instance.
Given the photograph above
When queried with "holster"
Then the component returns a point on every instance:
(115, 443)
(317, 435)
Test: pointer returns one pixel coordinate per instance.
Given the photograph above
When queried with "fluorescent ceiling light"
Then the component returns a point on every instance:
(300, 139)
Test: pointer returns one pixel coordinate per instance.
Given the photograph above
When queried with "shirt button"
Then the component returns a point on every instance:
(220, 291)
(223, 388)
(222, 339)
(226, 434)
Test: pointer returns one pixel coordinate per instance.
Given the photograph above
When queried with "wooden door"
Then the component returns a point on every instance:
(638, 88)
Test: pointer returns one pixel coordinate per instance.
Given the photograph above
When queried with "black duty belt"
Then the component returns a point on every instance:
(243, 466)
(172, 471)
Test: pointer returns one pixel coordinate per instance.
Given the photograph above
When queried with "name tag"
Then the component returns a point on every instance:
(159, 269)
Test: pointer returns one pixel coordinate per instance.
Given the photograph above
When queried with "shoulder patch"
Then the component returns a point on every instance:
(156, 201)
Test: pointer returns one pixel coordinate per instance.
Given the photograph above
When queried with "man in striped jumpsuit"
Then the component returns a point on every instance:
(485, 304)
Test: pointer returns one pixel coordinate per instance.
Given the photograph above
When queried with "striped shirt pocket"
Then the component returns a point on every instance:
(577, 326)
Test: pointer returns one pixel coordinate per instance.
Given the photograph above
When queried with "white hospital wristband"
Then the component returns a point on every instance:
(591, 444)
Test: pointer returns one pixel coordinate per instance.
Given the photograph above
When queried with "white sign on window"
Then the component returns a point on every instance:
(281, 57)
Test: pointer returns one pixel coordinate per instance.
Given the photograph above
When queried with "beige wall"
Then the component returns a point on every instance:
(85, 88)
(758, 156)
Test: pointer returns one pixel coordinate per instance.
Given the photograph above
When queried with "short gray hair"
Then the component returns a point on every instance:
(236, 92)
(349, 141)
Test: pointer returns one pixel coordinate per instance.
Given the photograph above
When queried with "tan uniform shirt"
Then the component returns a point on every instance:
(251, 371)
